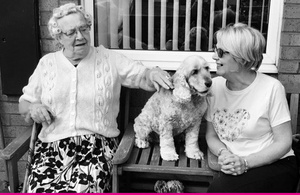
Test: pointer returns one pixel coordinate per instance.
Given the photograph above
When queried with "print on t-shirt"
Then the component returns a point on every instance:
(229, 126)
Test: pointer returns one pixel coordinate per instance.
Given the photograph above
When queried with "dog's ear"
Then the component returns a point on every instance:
(181, 90)
(175, 186)
(160, 186)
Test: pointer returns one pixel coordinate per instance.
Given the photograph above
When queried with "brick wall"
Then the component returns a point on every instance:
(289, 65)
(289, 58)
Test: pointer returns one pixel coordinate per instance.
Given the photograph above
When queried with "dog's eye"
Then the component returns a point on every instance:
(195, 72)
(207, 68)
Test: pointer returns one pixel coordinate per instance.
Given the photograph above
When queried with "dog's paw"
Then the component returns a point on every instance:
(141, 143)
(195, 154)
(169, 156)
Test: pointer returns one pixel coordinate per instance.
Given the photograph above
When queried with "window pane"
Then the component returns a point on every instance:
(175, 25)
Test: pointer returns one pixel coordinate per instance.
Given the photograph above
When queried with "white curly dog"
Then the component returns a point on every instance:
(171, 112)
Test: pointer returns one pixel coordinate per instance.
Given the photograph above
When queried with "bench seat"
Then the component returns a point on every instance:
(143, 167)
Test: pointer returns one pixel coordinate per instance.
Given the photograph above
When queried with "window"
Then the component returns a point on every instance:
(163, 32)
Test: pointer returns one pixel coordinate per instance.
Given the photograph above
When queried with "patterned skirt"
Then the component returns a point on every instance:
(81, 164)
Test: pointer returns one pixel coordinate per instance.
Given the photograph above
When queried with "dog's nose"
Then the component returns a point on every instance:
(208, 83)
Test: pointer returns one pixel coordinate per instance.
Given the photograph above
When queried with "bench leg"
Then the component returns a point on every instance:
(13, 179)
(115, 179)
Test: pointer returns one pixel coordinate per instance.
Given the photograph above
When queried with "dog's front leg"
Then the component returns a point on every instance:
(166, 142)
(142, 128)
(191, 143)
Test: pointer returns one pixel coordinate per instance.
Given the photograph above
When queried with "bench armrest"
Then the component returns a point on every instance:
(18, 147)
(125, 147)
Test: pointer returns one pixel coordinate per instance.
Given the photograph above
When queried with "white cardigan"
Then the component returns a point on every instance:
(83, 100)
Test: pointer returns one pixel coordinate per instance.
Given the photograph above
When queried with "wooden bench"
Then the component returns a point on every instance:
(141, 168)
(129, 170)
(137, 169)
(12, 153)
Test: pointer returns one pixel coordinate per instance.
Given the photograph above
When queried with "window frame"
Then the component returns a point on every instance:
(170, 60)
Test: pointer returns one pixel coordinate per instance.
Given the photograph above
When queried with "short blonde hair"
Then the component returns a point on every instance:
(244, 43)
(62, 11)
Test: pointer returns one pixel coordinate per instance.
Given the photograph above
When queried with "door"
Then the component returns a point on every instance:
(19, 43)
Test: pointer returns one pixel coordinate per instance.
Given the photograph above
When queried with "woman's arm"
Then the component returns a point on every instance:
(135, 74)
(24, 110)
(213, 141)
(218, 148)
(281, 145)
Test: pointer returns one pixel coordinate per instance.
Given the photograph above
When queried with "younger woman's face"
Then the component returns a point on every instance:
(226, 64)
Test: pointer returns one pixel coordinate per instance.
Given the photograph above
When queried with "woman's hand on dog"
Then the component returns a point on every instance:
(161, 78)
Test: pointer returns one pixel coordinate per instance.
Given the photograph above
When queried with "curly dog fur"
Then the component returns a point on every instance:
(173, 186)
(171, 112)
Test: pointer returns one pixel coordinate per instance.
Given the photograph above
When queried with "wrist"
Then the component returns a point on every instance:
(33, 106)
(221, 150)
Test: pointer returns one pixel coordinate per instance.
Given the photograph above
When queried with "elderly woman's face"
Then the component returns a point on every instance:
(75, 36)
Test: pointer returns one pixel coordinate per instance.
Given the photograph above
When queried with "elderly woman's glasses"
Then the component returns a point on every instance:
(83, 30)
(220, 52)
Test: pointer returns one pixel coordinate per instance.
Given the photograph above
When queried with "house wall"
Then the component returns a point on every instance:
(288, 64)
(12, 123)
(289, 57)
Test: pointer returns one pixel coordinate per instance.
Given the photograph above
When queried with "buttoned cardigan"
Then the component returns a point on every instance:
(83, 99)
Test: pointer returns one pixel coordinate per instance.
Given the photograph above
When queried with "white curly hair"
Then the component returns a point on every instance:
(62, 11)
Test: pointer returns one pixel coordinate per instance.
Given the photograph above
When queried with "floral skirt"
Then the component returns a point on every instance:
(81, 164)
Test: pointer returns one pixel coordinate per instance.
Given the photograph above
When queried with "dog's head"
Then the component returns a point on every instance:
(192, 78)
(173, 186)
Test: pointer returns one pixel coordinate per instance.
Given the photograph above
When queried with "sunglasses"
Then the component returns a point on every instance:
(220, 51)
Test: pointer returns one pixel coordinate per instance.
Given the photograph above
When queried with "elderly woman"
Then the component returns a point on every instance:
(74, 93)
(248, 118)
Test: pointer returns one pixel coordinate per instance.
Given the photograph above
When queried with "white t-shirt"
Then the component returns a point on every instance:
(244, 119)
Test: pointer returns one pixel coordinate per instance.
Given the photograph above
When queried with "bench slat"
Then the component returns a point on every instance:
(145, 155)
(182, 158)
(155, 155)
(168, 163)
(134, 156)
(194, 163)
